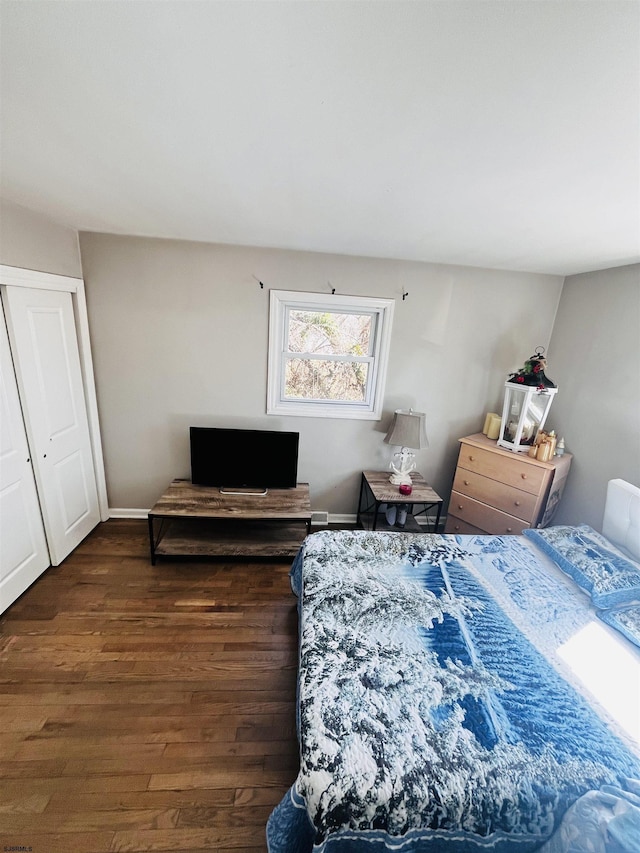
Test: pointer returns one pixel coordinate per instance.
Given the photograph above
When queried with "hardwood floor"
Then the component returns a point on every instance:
(146, 708)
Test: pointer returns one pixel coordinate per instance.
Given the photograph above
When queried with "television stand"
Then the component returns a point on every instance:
(203, 521)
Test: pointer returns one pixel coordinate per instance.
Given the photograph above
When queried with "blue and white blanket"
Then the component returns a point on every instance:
(427, 720)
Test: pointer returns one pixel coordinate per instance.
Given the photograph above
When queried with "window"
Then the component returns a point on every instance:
(327, 354)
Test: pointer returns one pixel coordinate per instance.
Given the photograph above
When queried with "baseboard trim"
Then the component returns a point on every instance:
(348, 519)
(123, 512)
(317, 517)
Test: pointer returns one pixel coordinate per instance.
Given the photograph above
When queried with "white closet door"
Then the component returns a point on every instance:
(23, 547)
(44, 343)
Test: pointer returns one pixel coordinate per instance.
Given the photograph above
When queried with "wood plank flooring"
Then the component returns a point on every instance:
(146, 708)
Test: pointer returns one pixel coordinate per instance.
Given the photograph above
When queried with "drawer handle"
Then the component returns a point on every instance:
(456, 527)
(509, 530)
(460, 506)
(472, 459)
(517, 503)
(524, 476)
(466, 482)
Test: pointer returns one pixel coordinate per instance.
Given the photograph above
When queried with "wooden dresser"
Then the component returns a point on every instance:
(498, 491)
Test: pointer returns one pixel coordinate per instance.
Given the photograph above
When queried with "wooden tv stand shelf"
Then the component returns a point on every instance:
(202, 521)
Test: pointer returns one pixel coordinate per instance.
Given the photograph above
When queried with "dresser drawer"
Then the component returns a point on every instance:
(484, 517)
(498, 495)
(508, 469)
(457, 525)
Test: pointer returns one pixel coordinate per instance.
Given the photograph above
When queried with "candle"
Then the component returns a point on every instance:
(487, 421)
(544, 451)
(495, 423)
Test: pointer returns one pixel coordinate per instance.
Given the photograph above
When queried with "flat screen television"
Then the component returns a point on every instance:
(244, 458)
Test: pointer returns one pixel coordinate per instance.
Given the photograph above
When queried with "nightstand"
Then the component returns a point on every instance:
(375, 489)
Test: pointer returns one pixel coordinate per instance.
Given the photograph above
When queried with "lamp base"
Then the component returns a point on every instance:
(399, 479)
(402, 470)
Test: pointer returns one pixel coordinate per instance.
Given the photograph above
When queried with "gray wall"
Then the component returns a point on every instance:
(32, 241)
(179, 337)
(594, 358)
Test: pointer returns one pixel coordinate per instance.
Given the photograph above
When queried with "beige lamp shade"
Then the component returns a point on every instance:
(408, 430)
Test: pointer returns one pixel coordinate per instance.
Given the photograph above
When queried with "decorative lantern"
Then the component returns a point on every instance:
(527, 399)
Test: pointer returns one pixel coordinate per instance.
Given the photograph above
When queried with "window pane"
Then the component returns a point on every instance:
(327, 354)
(313, 379)
(327, 333)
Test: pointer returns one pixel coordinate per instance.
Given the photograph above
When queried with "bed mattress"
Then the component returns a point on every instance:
(437, 706)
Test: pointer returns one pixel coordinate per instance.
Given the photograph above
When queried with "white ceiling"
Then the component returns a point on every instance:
(495, 134)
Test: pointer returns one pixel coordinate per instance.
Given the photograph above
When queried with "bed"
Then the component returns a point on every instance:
(468, 693)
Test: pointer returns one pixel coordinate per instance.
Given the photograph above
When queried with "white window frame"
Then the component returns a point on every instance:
(282, 302)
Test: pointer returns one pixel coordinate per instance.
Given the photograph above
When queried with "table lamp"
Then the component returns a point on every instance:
(408, 432)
